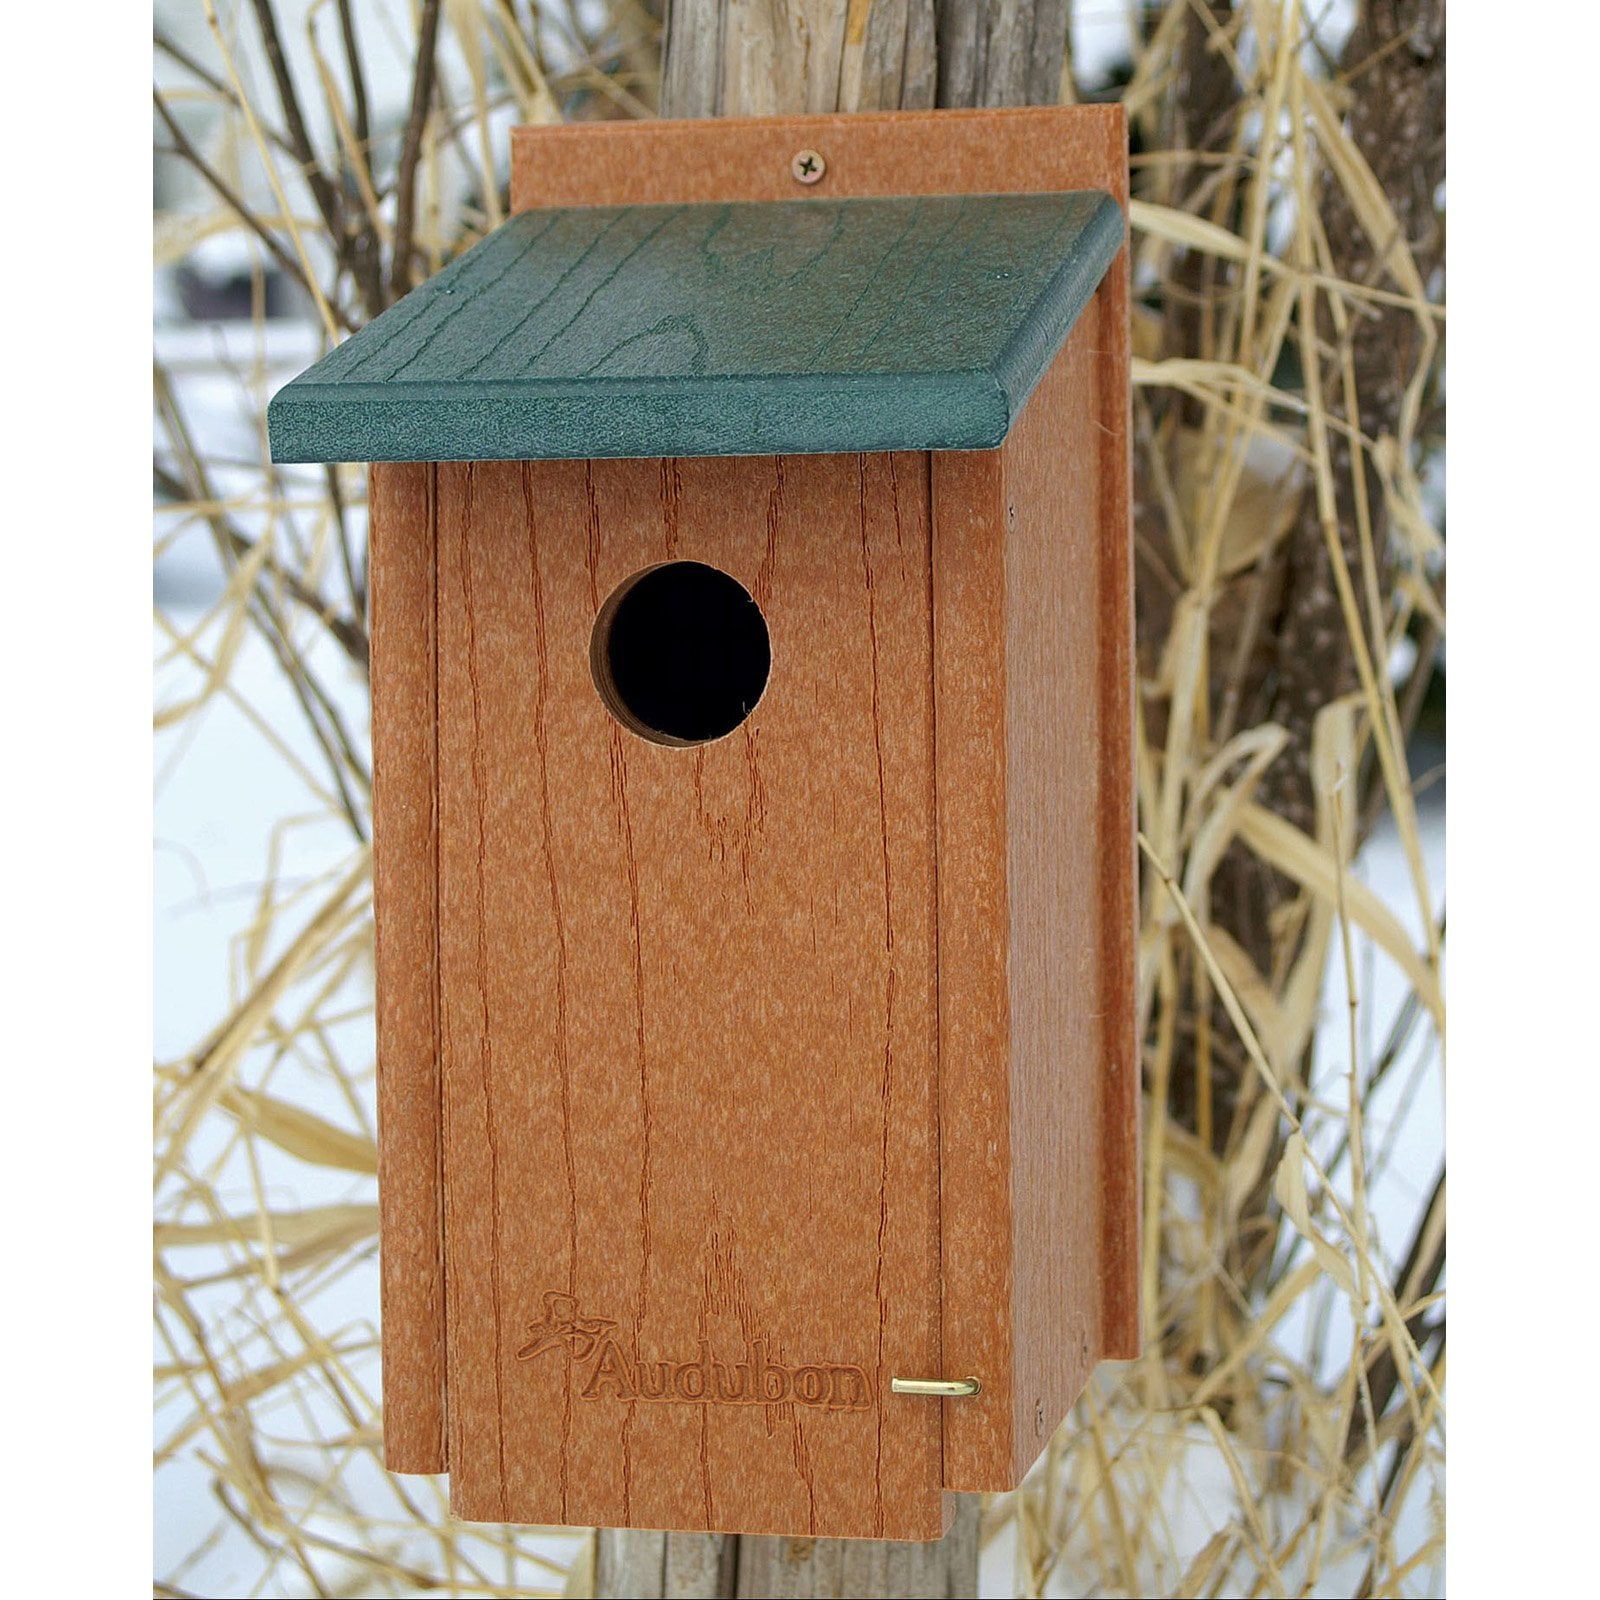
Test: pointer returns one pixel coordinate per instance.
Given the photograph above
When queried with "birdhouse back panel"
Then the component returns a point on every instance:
(802, 1058)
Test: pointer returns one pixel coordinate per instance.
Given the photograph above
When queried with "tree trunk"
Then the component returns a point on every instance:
(762, 58)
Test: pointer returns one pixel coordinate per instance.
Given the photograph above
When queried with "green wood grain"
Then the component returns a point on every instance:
(755, 328)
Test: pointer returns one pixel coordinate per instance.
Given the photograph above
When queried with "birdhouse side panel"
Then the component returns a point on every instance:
(1039, 1074)
(1122, 1252)
(404, 850)
(1070, 826)
(689, 1033)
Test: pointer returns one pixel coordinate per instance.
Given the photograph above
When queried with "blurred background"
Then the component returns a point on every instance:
(1284, 1430)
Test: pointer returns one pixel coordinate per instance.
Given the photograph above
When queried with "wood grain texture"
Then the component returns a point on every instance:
(404, 850)
(889, 63)
(768, 59)
(745, 328)
(647, 1565)
(651, 1566)
(691, 58)
(689, 1015)
(1000, 52)
(812, 1569)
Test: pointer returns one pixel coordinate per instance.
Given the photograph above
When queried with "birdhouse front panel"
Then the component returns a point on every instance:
(753, 827)
(688, 996)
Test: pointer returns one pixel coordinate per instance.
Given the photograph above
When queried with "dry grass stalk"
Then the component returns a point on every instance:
(1286, 1423)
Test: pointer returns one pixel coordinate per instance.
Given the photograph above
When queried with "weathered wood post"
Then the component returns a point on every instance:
(738, 58)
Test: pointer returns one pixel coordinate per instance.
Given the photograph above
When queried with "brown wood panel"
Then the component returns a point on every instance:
(1015, 150)
(1122, 1327)
(689, 1011)
(403, 856)
(1062, 922)
(1033, 800)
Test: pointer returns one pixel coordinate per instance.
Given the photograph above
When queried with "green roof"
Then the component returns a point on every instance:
(753, 328)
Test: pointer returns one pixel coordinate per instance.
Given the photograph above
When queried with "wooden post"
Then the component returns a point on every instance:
(752, 57)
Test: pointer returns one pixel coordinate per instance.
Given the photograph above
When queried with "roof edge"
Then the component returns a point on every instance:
(586, 418)
(1023, 361)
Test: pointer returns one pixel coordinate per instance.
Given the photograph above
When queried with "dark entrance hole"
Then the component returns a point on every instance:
(680, 653)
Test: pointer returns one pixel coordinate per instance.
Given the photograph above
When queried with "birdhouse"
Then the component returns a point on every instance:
(753, 818)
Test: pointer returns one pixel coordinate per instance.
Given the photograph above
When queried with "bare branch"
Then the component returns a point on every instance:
(411, 149)
(232, 200)
(322, 191)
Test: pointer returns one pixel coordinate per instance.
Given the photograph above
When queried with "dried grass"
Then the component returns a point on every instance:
(1284, 1431)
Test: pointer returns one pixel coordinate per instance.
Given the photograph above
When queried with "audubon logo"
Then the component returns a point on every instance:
(606, 1370)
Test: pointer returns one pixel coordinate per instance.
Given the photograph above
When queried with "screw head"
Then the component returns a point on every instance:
(806, 166)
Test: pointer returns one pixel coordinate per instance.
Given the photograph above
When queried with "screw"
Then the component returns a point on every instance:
(806, 166)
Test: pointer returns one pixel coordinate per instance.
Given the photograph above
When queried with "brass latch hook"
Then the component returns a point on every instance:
(945, 1388)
